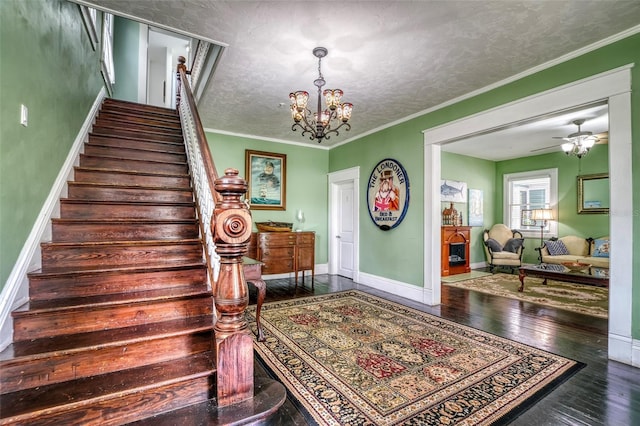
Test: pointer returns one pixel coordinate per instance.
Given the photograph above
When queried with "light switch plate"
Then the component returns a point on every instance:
(24, 115)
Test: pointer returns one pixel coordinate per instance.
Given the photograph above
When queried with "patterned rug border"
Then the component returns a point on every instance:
(509, 409)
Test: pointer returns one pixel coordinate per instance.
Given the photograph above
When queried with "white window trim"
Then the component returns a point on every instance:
(90, 18)
(553, 198)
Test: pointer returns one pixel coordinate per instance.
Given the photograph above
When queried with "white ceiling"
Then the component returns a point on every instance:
(393, 59)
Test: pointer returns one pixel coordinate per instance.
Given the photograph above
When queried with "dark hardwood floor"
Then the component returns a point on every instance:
(603, 393)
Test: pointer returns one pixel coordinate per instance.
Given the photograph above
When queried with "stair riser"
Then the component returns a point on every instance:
(129, 408)
(93, 284)
(133, 154)
(84, 232)
(116, 178)
(70, 210)
(82, 320)
(137, 134)
(132, 165)
(56, 257)
(138, 109)
(172, 123)
(137, 127)
(26, 374)
(138, 144)
(107, 193)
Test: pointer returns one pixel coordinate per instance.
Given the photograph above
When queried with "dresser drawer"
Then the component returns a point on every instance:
(273, 239)
(306, 239)
(277, 266)
(273, 252)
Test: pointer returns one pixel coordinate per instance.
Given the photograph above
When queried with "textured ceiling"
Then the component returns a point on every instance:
(393, 59)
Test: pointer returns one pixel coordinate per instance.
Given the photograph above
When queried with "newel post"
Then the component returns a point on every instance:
(181, 67)
(231, 226)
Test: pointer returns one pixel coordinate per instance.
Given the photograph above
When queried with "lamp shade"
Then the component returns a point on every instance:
(542, 214)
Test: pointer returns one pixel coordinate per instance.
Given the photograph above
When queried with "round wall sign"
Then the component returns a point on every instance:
(388, 194)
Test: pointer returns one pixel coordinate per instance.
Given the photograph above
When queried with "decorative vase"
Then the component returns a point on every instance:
(299, 219)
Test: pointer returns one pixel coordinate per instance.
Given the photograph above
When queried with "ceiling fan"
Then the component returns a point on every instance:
(579, 143)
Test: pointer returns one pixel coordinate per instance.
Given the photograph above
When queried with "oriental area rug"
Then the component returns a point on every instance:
(583, 299)
(351, 358)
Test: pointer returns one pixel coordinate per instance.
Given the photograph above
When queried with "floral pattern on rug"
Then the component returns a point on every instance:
(580, 298)
(354, 359)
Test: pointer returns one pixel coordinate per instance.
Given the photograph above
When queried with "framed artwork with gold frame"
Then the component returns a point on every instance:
(266, 174)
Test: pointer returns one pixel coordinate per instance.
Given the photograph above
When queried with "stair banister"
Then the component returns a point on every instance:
(225, 223)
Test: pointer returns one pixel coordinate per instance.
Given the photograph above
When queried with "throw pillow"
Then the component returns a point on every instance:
(493, 244)
(601, 248)
(556, 248)
(513, 244)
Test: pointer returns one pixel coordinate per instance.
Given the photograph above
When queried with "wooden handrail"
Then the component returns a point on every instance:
(210, 167)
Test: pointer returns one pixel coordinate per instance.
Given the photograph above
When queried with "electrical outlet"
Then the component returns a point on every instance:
(24, 115)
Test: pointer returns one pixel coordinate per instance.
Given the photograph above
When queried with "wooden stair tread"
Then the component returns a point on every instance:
(131, 138)
(86, 302)
(131, 172)
(75, 271)
(129, 186)
(136, 149)
(124, 220)
(46, 347)
(128, 203)
(120, 103)
(136, 160)
(107, 386)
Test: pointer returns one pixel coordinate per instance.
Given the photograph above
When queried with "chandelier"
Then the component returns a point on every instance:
(323, 122)
(579, 143)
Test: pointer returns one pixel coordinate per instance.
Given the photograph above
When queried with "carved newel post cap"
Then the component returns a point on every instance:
(182, 59)
(230, 183)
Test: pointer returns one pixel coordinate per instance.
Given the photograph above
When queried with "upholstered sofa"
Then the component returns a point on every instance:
(576, 249)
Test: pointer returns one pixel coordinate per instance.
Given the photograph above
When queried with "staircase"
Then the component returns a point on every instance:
(119, 325)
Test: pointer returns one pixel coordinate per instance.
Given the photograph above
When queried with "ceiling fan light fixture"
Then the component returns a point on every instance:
(579, 143)
(319, 124)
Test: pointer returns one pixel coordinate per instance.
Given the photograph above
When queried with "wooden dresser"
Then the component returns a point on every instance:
(283, 252)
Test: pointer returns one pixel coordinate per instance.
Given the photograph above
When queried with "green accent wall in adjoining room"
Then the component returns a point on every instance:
(478, 174)
(48, 64)
(306, 185)
(569, 168)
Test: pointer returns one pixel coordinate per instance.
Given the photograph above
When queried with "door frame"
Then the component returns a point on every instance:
(335, 179)
(614, 86)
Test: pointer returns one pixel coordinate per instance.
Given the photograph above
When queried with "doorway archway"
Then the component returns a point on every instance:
(614, 87)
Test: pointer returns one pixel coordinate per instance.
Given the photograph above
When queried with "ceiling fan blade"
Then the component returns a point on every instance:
(603, 138)
(560, 137)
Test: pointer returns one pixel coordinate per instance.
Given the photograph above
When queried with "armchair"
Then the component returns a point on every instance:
(503, 247)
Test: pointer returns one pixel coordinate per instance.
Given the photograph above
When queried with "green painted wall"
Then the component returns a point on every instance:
(126, 42)
(306, 182)
(405, 143)
(46, 63)
(478, 174)
(569, 168)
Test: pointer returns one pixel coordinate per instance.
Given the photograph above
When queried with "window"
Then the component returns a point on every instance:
(523, 192)
(107, 67)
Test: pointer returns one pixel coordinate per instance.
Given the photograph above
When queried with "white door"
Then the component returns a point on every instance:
(345, 229)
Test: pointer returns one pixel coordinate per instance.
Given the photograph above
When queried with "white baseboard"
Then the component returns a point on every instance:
(635, 353)
(16, 290)
(398, 288)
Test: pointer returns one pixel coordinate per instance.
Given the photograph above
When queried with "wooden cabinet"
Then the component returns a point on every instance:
(283, 252)
(454, 246)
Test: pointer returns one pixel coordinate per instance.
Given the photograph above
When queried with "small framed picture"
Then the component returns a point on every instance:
(266, 174)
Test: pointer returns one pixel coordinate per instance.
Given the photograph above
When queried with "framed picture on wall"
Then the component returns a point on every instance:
(476, 207)
(266, 174)
(453, 191)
